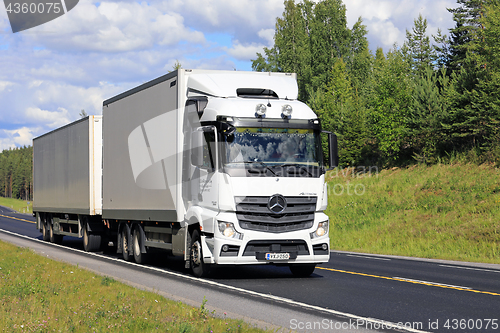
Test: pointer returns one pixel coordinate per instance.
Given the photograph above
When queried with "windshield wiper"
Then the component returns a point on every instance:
(296, 165)
(256, 162)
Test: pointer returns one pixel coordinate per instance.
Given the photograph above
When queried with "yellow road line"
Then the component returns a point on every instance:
(410, 281)
(15, 218)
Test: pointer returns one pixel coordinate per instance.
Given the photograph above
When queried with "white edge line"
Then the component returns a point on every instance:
(376, 258)
(386, 324)
(470, 268)
(431, 283)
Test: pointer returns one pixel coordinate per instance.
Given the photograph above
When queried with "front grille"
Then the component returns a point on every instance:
(298, 247)
(253, 214)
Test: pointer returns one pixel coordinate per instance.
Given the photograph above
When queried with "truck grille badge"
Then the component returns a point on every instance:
(277, 204)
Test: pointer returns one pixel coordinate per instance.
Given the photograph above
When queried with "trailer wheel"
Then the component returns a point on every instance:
(125, 237)
(45, 231)
(91, 242)
(198, 267)
(302, 270)
(139, 257)
(57, 239)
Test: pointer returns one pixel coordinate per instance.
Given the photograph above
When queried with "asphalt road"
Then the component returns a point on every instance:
(423, 295)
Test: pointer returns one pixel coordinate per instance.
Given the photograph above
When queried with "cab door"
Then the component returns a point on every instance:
(205, 157)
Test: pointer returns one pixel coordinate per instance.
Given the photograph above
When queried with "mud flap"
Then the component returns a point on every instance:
(208, 257)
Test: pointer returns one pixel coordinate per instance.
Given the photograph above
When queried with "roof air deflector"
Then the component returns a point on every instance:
(256, 93)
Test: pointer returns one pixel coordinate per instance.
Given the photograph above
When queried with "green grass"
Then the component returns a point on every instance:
(446, 211)
(18, 205)
(42, 295)
(441, 211)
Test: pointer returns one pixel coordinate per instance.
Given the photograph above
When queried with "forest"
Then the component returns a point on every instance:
(432, 98)
(425, 101)
(16, 175)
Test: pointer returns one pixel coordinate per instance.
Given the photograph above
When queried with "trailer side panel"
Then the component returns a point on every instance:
(63, 174)
(140, 169)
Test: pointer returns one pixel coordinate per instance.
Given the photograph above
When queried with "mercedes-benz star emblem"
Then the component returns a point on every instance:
(277, 204)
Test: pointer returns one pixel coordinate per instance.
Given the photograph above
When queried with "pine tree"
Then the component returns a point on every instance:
(428, 110)
(418, 47)
(466, 35)
(473, 57)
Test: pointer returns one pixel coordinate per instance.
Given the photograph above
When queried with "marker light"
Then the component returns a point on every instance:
(287, 110)
(261, 109)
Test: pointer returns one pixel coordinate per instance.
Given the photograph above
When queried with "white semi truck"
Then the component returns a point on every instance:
(219, 167)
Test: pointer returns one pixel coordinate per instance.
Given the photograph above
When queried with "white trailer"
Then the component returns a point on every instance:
(220, 167)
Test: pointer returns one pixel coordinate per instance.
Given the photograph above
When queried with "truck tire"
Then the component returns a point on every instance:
(302, 270)
(45, 231)
(125, 242)
(57, 239)
(139, 257)
(198, 267)
(91, 242)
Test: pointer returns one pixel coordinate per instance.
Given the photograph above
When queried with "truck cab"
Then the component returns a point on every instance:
(257, 174)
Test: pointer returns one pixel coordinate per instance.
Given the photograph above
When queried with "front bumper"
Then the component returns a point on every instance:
(255, 247)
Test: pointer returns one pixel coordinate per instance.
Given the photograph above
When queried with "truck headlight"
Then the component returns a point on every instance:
(227, 229)
(321, 231)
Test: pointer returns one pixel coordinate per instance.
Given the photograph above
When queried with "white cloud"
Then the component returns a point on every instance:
(389, 34)
(242, 18)
(244, 52)
(52, 119)
(5, 85)
(6, 143)
(267, 35)
(114, 27)
(19, 137)
(388, 20)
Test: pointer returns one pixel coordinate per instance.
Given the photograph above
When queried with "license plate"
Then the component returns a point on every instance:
(277, 256)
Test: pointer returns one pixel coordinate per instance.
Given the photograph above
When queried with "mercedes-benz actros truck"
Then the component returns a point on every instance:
(219, 167)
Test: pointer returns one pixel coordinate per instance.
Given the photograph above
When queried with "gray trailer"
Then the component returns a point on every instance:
(67, 177)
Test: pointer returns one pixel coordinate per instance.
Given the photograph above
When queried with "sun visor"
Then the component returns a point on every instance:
(226, 85)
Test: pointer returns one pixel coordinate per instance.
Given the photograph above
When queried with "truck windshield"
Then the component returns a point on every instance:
(274, 146)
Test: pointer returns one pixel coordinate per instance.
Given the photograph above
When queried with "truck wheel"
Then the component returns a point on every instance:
(57, 239)
(302, 270)
(139, 257)
(45, 231)
(198, 267)
(91, 242)
(125, 242)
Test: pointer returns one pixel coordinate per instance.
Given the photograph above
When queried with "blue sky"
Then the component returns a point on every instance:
(49, 73)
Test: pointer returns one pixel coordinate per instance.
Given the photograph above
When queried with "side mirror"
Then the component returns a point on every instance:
(333, 151)
(197, 141)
